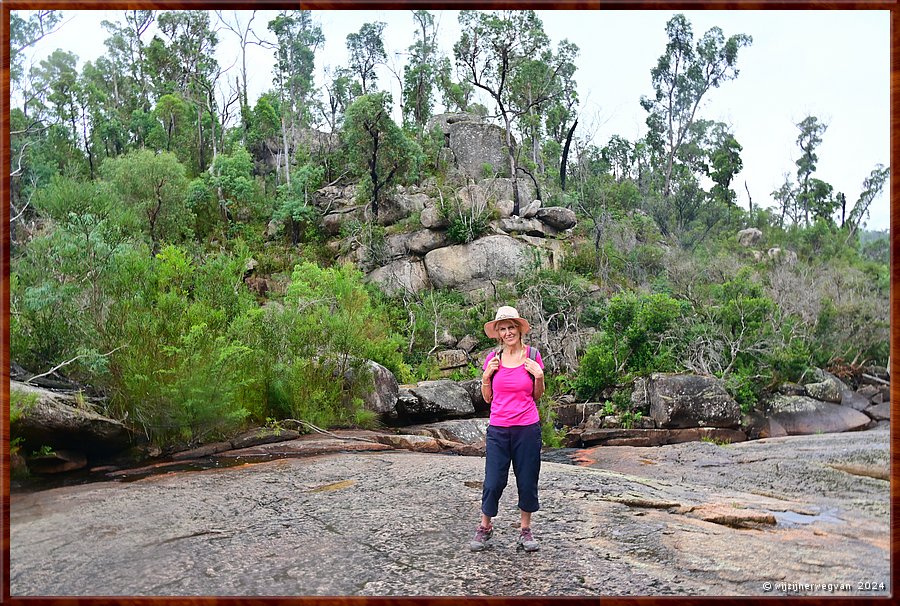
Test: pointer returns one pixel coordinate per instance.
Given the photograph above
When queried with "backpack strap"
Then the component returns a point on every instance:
(533, 353)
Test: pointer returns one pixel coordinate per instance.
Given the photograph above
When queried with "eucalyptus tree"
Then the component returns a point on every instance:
(339, 96)
(545, 86)
(683, 76)
(376, 146)
(297, 39)
(126, 50)
(25, 33)
(810, 193)
(190, 56)
(457, 96)
(872, 187)
(243, 31)
(499, 53)
(366, 49)
(153, 187)
(420, 73)
(57, 76)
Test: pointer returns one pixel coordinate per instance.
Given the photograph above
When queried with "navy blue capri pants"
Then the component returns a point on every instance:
(521, 446)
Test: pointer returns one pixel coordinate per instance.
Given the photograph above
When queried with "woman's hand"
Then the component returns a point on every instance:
(490, 369)
(534, 368)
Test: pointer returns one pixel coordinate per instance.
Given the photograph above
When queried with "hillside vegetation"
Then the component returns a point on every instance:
(169, 252)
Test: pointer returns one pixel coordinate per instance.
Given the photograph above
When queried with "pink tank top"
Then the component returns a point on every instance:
(513, 402)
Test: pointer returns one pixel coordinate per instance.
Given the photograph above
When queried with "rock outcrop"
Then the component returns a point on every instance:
(479, 149)
(800, 415)
(62, 422)
(475, 265)
(679, 401)
(434, 400)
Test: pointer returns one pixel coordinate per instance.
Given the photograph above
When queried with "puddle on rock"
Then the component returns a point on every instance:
(788, 519)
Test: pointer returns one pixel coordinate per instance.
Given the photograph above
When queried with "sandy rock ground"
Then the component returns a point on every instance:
(804, 515)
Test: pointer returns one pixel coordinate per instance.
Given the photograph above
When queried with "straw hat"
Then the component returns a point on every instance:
(506, 313)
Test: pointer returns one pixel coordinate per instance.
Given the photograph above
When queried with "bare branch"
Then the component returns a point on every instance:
(67, 362)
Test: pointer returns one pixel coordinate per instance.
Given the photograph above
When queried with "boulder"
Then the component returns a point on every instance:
(749, 237)
(416, 243)
(401, 276)
(473, 388)
(263, 435)
(477, 264)
(520, 225)
(478, 147)
(572, 415)
(779, 255)
(653, 437)
(824, 391)
(854, 400)
(757, 426)
(678, 401)
(445, 120)
(463, 431)
(557, 217)
(419, 443)
(802, 415)
(332, 222)
(437, 399)
(58, 461)
(504, 208)
(828, 387)
(61, 422)
(467, 343)
(432, 218)
(471, 196)
(274, 228)
(871, 392)
(447, 339)
(531, 209)
(879, 412)
(382, 398)
(640, 395)
(399, 206)
(451, 358)
(791, 389)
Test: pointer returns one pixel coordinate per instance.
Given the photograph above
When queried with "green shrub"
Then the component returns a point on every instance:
(550, 436)
(178, 375)
(466, 223)
(309, 356)
(632, 340)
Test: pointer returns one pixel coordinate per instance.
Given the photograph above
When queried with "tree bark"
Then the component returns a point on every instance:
(565, 156)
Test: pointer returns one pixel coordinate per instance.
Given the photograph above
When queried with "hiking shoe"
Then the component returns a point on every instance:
(481, 538)
(527, 541)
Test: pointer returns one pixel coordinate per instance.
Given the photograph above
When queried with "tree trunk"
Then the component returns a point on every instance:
(87, 142)
(200, 137)
(513, 165)
(565, 156)
(749, 200)
(287, 154)
(373, 174)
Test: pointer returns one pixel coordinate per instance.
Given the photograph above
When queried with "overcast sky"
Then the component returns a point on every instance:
(831, 64)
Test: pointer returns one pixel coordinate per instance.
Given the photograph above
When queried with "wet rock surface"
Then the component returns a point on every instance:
(683, 519)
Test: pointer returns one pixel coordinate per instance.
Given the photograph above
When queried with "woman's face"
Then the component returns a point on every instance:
(509, 332)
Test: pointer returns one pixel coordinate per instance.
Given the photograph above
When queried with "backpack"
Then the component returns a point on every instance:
(532, 355)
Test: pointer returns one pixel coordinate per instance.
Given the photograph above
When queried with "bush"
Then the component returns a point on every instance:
(634, 339)
(309, 356)
(466, 222)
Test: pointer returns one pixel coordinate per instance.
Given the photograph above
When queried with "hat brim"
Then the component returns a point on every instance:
(490, 328)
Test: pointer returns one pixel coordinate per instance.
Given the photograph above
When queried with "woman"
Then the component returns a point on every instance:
(512, 383)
